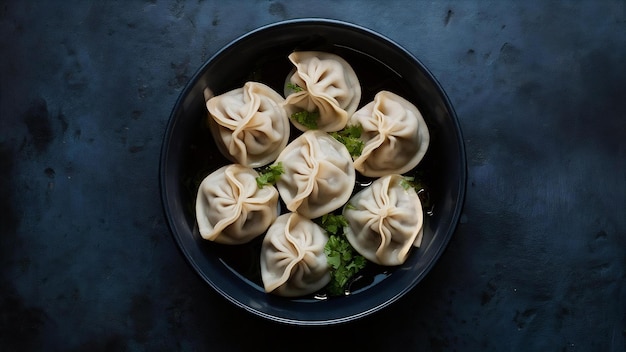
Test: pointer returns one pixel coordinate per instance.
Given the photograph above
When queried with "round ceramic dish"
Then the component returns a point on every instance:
(189, 153)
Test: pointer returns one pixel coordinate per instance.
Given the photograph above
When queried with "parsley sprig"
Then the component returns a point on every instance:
(270, 175)
(350, 136)
(294, 87)
(306, 118)
(408, 182)
(333, 223)
(343, 260)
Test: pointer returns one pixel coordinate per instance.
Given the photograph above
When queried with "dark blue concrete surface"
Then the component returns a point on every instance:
(538, 262)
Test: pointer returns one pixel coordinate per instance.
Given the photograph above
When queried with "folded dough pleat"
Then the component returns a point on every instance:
(293, 262)
(385, 221)
(231, 209)
(329, 86)
(318, 174)
(249, 124)
(395, 135)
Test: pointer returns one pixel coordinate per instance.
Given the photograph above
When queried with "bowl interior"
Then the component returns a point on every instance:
(189, 154)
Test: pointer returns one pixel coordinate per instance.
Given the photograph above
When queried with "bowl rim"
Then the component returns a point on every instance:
(459, 196)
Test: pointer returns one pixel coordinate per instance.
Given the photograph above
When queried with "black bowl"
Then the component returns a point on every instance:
(189, 153)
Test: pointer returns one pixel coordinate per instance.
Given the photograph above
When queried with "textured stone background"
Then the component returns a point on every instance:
(538, 261)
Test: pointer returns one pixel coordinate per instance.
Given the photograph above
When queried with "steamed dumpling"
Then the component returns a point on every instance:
(318, 174)
(250, 124)
(385, 221)
(329, 86)
(230, 207)
(395, 134)
(293, 262)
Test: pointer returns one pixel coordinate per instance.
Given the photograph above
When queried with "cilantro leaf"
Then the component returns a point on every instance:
(294, 87)
(269, 175)
(333, 259)
(357, 264)
(344, 263)
(342, 258)
(350, 136)
(354, 131)
(408, 182)
(333, 223)
(306, 118)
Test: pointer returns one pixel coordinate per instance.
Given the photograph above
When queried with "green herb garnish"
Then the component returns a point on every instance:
(306, 118)
(333, 223)
(408, 182)
(350, 136)
(343, 260)
(344, 263)
(269, 175)
(294, 87)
